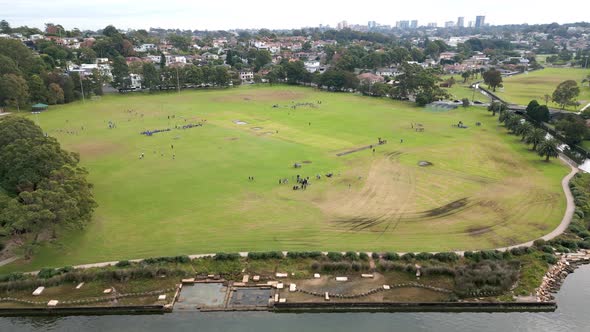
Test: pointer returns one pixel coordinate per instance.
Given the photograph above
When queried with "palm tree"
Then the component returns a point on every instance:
(512, 122)
(503, 116)
(548, 148)
(524, 129)
(535, 137)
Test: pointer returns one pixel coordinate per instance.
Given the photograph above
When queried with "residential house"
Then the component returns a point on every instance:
(210, 56)
(312, 66)
(143, 48)
(370, 78)
(136, 80)
(247, 76)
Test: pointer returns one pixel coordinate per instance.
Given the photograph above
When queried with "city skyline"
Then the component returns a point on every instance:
(265, 14)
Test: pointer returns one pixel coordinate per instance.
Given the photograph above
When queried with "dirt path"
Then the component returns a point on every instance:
(565, 222)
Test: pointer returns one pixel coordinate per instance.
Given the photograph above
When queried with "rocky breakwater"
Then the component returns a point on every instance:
(557, 273)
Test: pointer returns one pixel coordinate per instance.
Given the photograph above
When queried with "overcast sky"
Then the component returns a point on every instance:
(229, 14)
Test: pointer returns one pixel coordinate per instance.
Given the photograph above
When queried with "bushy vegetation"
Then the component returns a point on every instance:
(220, 256)
(304, 254)
(493, 277)
(265, 255)
(335, 256)
(160, 260)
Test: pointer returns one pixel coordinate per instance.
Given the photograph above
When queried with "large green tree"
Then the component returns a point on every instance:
(14, 90)
(573, 128)
(493, 78)
(151, 77)
(120, 73)
(566, 93)
(38, 90)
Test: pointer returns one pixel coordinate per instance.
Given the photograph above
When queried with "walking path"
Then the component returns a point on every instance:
(565, 222)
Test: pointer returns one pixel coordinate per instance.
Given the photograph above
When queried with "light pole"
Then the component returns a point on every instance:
(177, 80)
(82, 87)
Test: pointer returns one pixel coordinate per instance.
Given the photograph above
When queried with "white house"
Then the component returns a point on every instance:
(210, 56)
(36, 37)
(312, 66)
(145, 48)
(136, 80)
(246, 76)
(389, 72)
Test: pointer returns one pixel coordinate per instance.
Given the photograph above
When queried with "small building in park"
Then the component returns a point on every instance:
(39, 107)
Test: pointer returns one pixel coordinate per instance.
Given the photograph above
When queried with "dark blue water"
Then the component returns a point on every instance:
(572, 315)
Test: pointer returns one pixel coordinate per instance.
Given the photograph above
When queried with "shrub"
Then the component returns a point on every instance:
(424, 256)
(438, 271)
(335, 256)
(315, 266)
(549, 258)
(160, 260)
(468, 254)
(304, 254)
(539, 243)
(356, 266)
(65, 269)
(490, 254)
(465, 102)
(123, 264)
(14, 276)
(375, 255)
(336, 266)
(446, 257)
(386, 266)
(265, 255)
(408, 257)
(226, 257)
(584, 244)
(351, 255)
(547, 248)
(391, 256)
(363, 256)
(47, 273)
(519, 251)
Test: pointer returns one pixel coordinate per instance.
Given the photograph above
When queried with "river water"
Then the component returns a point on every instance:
(571, 315)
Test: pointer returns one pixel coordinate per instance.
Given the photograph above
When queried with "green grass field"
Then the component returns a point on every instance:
(521, 89)
(462, 89)
(485, 188)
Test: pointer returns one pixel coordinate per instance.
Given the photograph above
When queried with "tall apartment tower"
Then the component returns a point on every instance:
(480, 21)
(461, 22)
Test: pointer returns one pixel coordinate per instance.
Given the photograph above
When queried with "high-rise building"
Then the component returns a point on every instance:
(432, 25)
(470, 24)
(460, 22)
(372, 24)
(480, 21)
(342, 25)
(404, 24)
(449, 24)
(414, 24)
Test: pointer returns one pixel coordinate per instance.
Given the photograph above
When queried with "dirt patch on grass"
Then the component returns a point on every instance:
(477, 231)
(447, 208)
(262, 95)
(95, 149)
